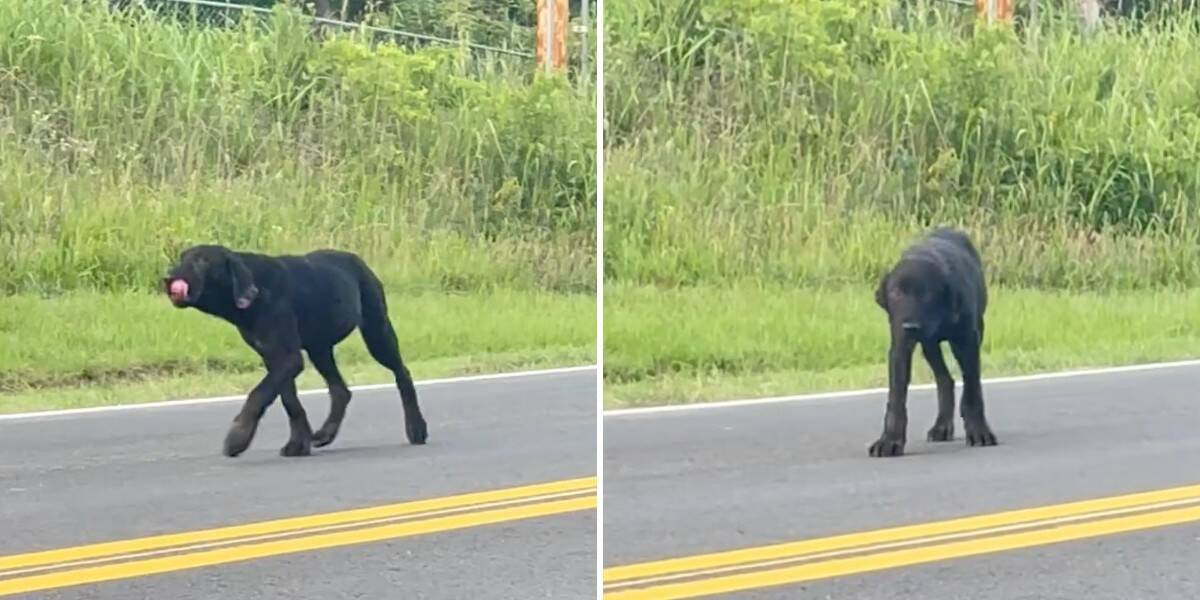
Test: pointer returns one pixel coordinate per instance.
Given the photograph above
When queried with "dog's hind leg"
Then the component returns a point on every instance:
(943, 426)
(339, 395)
(300, 442)
(966, 352)
(380, 338)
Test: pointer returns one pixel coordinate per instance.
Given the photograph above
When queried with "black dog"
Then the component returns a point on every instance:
(284, 304)
(935, 293)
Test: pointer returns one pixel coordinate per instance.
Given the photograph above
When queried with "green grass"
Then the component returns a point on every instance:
(676, 346)
(93, 348)
(124, 138)
(767, 160)
(464, 180)
(805, 142)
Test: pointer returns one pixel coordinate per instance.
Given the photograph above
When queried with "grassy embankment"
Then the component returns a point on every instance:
(466, 184)
(767, 160)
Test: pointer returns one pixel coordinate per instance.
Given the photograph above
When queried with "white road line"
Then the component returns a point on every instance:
(215, 399)
(649, 410)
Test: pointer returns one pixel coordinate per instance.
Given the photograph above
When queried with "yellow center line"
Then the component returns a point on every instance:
(280, 547)
(892, 545)
(745, 556)
(911, 556)
(293, 524)
(290, 533)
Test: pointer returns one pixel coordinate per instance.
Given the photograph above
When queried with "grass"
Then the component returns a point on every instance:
(807, 141)
(124, 138)
(767, 160)
(93, 348)
(463, 179)
(677, 346)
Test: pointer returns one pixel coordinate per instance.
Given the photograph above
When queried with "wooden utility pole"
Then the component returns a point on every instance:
(995, 10)
(583, 39)
(553, 15)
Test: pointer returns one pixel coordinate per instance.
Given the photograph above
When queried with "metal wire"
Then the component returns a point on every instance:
(348, 25)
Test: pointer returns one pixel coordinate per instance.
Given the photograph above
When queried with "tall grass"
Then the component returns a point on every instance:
(805, 141)
(766, 160)
(125, 136)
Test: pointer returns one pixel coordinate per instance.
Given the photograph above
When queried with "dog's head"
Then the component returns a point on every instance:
(213, 273)
(918, 298)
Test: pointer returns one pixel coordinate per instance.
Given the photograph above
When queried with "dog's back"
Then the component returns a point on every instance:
(955, 254)
(329, 290)
(958, 240)
(325, 268)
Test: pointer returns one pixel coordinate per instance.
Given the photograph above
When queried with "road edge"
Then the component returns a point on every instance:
(217, 399)
(1086, 372)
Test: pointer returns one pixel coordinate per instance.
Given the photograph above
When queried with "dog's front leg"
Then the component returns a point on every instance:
(281, 369)
(895, 421)
(966, 352)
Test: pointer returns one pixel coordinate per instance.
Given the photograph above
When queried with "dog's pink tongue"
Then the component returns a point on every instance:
(178, 289)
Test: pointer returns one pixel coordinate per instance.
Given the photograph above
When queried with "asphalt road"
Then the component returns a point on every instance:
(86, 478)
(680, 484)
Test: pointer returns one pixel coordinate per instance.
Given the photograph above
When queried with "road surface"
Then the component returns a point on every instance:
(756, 501)
(498, 504)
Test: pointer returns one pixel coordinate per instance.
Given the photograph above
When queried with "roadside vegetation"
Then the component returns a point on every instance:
(127, 135)
(766, 161)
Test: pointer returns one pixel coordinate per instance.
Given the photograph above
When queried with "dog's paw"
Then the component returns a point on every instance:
(886, 447)
(417, 431)
(238, 438)
(325, 435)
(942, 432)
(980, 436)
(296, 448)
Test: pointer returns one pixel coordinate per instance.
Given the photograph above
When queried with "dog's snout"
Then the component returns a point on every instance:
(178, 289)
(910, 325)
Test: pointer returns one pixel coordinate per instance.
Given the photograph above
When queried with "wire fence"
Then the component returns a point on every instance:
(395, 34)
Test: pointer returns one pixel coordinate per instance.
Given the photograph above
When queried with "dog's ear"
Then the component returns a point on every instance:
(244, 290)
(881, 292)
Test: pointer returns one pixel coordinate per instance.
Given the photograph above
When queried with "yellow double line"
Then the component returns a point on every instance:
(94, 563)
(808, 560)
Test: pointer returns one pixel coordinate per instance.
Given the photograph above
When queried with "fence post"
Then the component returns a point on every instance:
(552, 34)
(1089, 14)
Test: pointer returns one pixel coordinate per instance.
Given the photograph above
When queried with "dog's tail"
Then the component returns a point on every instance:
(379, 335)
(374, 303)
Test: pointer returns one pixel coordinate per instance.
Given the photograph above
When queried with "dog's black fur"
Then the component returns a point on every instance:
(282, 304)
(935, 293)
